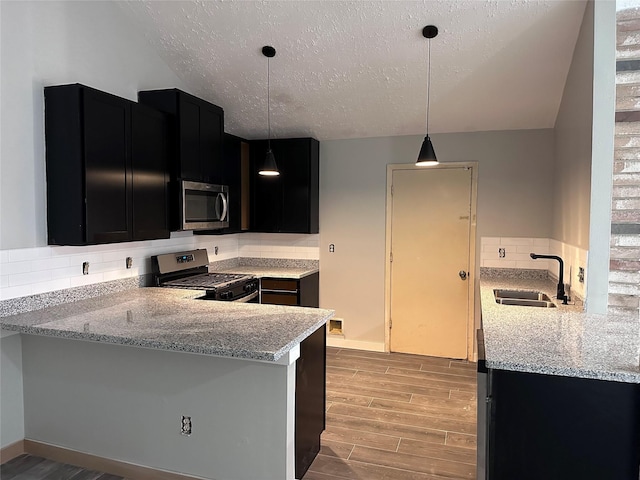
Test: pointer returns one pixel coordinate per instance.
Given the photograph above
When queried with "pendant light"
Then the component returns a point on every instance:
(427, 155)
(269, 167)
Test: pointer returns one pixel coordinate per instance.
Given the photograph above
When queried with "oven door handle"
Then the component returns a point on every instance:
(247, 298)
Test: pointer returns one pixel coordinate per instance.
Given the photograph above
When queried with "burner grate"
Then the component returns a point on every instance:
(208, 281)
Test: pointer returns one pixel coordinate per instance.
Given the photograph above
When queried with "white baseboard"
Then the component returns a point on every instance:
(355, 344)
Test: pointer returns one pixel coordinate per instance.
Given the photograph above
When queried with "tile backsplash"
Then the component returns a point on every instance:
(513, 252)
(36, 270)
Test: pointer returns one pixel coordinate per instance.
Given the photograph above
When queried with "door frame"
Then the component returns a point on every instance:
(473, 283)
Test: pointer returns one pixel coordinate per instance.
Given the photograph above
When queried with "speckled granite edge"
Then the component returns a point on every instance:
(223, 264)
(170, 319)
(170, 346)
(30, 303)
(263, 263)
(514, 273)
(566, 371)
(278, 262)
(564, 341)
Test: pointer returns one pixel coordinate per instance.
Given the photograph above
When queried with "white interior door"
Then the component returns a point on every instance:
(430, 240)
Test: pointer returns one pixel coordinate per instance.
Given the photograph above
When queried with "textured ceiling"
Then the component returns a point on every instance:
(347, 69)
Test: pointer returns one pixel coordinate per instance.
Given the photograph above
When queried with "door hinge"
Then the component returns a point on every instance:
(391, 257)
(390, 323)
(392, 190)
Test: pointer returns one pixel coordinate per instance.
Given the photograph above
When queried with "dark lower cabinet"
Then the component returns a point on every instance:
(310, 367)
(302, 292)
(559, 428)
(289, 202)
(310, 399)
(106, 165)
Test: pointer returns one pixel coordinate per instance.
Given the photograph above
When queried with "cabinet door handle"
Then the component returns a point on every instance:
(273, 290)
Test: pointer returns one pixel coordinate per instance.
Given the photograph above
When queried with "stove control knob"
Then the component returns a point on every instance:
(225, 295)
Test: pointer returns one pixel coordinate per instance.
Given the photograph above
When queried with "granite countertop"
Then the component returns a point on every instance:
(173, 319)
(268, 271)
(562, 341)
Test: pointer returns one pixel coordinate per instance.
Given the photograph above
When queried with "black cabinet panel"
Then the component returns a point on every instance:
(235, 160)
(65, 166)
(295, 186)
(211, 144)
(289, 202)
(310, 290)
(310, 399)
(199, 127)
(189, 140)
(266, 191)
(107, 123)
(559, 428)
(91, 139)
(150, 158)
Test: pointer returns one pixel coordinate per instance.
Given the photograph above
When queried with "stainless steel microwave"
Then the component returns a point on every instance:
(204, 206)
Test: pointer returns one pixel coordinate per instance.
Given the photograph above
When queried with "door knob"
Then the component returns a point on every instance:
(463, 274)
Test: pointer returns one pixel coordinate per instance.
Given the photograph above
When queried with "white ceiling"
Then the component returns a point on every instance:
(347, 69)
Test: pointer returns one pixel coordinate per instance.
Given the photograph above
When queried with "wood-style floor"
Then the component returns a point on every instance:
(397, 417)
(389, 417)
(28, 467)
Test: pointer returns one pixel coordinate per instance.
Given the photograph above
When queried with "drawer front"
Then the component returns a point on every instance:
(279, 298)
(285, 284)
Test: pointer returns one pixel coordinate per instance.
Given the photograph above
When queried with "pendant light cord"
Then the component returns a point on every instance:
(428, 83)
(268, 105)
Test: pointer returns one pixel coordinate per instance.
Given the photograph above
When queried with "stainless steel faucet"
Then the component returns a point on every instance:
(561, 295)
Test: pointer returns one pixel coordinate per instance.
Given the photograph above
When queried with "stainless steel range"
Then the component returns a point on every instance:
(190, 270)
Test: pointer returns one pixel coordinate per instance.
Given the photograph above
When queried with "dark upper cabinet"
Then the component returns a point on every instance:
(199, 132)
(96, 193)
(107, 171)
(288, 203)
(236, 177)
(150, 147)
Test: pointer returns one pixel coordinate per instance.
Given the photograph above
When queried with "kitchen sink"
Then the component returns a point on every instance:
(523, 298)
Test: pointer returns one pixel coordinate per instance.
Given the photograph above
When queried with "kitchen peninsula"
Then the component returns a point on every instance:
(230, 367)
(558, 389)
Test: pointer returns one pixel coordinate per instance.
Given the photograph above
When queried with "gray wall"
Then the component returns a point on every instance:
(49, 43)
(515, 189)
(11, 402)
(584, 134)
(126, 403)
(572, 174)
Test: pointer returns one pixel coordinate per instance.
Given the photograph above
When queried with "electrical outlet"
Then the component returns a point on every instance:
(129, 262)
(581, 274)
(85, 268)
(332, 248)
(502, 253)
(185, 426)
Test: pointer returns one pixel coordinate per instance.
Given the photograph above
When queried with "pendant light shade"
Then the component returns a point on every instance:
(427, 155)
(269, 166)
